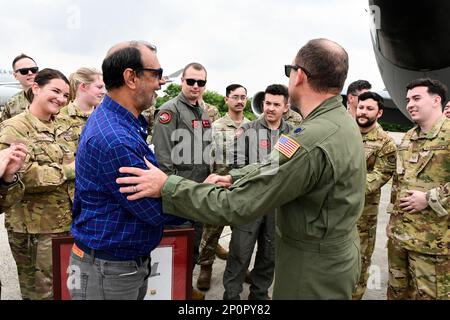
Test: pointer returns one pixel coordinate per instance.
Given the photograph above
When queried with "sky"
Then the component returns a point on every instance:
(246, 42)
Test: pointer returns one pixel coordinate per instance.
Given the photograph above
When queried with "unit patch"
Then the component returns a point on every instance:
(165, 117)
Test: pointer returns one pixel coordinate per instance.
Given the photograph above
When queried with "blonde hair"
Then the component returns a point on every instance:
(82, 75)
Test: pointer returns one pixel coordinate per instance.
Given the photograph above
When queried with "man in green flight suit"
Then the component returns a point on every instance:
(317, 193)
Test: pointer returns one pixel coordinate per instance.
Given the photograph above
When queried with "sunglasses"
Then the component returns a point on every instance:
(191, 82)
(157, 72)
(24, 71)
(288, 68)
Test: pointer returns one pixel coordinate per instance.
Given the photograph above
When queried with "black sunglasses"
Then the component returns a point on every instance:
(191, 82)
(158, 72)
(288, 68)
(24, 71)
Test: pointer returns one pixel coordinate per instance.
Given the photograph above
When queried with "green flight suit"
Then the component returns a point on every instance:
(253, 143)
(182, 137)
(317, 192)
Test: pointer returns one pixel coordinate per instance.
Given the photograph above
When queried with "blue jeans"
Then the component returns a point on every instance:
(92, 278)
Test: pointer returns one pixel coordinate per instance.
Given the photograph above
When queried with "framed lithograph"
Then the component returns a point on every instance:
(171, 268)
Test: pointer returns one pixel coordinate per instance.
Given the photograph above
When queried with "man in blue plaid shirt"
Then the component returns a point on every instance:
(113, 236)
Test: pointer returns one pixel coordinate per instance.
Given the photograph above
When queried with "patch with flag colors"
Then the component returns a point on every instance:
(287, 146)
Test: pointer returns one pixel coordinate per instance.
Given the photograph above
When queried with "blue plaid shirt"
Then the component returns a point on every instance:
(103, 218)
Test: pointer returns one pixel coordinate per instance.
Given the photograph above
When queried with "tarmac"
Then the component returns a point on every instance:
(376, 288)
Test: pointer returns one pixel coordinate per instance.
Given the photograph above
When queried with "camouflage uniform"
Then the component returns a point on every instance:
(293, 118)
(45, 210)
(380, 151)
(223, 137)
(149, 115)
(419, 243)
(71, 121)
(212, 111)
(10, 194)
(15, 105)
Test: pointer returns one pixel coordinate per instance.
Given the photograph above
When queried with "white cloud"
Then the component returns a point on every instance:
(244, 42)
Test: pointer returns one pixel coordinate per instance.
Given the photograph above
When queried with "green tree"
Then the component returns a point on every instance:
(171, 92)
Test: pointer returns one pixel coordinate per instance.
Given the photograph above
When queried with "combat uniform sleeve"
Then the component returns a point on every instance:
(165, 125)
(37, 177)
(384, 168)
(264, 188)
(5, 113)
(10, 194)
(439, 199)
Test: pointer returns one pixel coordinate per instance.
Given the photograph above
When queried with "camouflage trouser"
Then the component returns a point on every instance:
(367, 229)
(33, 255)
(210, 239)
(413, 275)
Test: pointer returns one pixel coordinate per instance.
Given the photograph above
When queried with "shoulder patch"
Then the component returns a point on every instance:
(165, 117)
(287, 146)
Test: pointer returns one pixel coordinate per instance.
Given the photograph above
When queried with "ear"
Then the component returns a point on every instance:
(129, 77)
(380, 113)
(438, 101)
(300, 78)
(35, 88)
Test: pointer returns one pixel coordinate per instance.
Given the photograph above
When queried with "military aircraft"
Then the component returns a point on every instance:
(8, 86)
(410, 41)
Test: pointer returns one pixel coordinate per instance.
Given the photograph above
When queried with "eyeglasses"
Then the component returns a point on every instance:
(288, 68)
(158, 72)
(236, 98)
(24, 71)
(191, 82)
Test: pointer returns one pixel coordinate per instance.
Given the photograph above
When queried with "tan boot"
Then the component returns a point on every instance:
(221, 252)
(197, 295)
(204, 278)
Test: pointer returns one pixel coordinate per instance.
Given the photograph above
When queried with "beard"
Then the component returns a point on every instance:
(368, 123)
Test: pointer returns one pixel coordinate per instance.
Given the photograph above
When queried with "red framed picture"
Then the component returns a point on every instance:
(171, 273)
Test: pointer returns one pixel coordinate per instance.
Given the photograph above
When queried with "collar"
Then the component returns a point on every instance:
(372, 134)
(263, 122)
(326, 106)
(432, 133)
(74, 111)
(128, 118)
(230, 122)
(182, 98)
(39, 125)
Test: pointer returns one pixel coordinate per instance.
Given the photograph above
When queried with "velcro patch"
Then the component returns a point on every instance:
(165, 117)
(287, 146)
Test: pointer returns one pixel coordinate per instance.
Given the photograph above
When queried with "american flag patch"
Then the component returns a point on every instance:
(287, 146)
